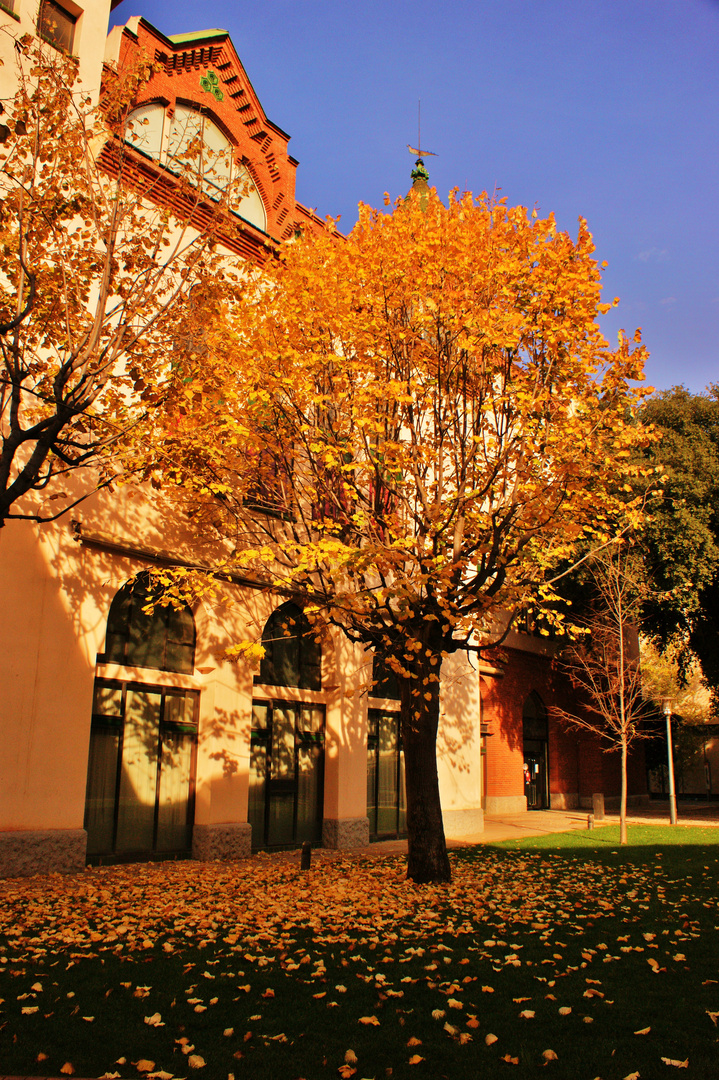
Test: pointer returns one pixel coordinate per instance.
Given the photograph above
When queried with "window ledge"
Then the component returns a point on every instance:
(9, 11)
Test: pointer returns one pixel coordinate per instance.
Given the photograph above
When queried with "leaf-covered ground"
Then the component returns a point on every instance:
(587, 961)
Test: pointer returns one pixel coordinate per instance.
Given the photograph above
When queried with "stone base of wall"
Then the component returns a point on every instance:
(459, 823)
(345, 833)
(564, 800)
(223, 842)
(505, 804)
(42, 851)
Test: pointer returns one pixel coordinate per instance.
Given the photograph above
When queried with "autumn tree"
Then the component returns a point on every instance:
(100, 284)
(406, 429)
(602, 659)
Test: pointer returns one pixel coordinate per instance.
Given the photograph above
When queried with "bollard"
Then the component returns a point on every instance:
(590, 821)
(306, 855)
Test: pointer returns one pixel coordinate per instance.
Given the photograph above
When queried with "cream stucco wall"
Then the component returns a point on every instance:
(88, 46)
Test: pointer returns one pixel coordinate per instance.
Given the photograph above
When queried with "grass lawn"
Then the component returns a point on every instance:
(606, 957)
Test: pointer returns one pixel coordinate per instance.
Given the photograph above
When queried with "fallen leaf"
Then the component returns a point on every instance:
(677, 1064)
(510, 1060)
(414, 1042)
(350, 1057)
(155, 1020)
(195, 1061)
(68, 1069)
(369, 1020)
(643, 1031)
(346, 1071)
(565, 1010)
(415, 1059)
(489, 1039)
(549, 1055)
(527, 1014)
(144, 1066)
(27, 1009)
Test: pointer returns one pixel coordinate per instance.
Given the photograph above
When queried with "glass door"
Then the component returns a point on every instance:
(386, 800)
(140, 784)
(535, 774)
(286, 773)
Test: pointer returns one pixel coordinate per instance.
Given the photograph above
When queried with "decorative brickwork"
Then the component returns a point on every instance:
(205, 71)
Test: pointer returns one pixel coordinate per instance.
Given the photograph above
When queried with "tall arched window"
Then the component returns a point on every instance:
(163, 639)
(143, 739)
(191, 143)
(293, 656)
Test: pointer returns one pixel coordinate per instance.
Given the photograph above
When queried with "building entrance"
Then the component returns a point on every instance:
(536, 743)
(141, 771)
(286, 773)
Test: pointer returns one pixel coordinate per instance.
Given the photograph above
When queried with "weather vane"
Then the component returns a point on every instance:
(416, 150)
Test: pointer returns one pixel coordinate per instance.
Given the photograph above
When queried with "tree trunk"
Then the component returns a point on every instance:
(427, 850)
(623, 797)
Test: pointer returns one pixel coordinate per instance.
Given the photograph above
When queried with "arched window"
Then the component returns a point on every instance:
(292, 655)
(384, 678)
(534, 718)
(190, 142)
(164, 639)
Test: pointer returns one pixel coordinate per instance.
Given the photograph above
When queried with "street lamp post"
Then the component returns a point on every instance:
(667, 710)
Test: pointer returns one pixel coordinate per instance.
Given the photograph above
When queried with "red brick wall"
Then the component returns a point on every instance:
(577, 763)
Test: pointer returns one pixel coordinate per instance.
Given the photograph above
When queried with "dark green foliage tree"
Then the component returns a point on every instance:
(682, 536)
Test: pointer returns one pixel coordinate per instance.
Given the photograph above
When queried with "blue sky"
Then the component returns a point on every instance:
(608, 109)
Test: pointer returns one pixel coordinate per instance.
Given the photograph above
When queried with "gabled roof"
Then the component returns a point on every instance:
(202, 68)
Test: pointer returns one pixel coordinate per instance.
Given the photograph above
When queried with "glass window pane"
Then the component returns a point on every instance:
(258, 786)
(280, 825)
(56, 25)
(173, 830)
(179, 708)
(311, 719)
(309, 809)
(372, 788)
(185, 140)
(144, 129)
(248, 202)
(101, 788)
(179, 658)
(402, 822)
(216, 158)
(138, 780)
(260, 716)
(107, 700)
(283, 742)
(387, 761)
